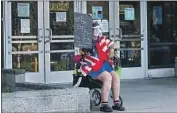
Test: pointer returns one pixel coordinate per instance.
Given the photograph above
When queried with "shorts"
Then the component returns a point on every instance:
(106, 67)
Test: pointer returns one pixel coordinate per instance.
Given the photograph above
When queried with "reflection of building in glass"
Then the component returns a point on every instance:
(162, 33)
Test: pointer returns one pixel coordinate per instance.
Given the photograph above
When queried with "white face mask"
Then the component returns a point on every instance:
(97, 32)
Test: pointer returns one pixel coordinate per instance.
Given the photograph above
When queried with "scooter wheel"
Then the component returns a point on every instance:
(95, 97)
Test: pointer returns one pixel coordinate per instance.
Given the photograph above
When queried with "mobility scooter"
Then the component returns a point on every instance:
(94, 85)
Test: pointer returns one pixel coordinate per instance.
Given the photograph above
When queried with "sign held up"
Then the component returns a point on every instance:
(82, 31)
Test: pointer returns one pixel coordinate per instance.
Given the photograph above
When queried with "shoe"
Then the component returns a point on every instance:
(118, 107)
(106, 108)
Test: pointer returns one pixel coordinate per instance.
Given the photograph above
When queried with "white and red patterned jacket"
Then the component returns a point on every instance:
(88, 63)
(102, 46)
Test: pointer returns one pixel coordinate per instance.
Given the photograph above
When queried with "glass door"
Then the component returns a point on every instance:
(41, 40)
(59, 41)
(122, 22)
(128, 20)
(24, 39)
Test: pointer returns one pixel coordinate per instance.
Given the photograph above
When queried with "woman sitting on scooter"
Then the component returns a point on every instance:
(96, 65)
(104, 50)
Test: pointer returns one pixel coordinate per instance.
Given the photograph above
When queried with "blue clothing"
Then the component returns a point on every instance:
(106, 67)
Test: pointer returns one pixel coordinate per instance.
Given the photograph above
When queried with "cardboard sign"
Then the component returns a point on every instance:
(82, 31)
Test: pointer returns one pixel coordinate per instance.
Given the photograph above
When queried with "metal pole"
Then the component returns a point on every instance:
(176, 67)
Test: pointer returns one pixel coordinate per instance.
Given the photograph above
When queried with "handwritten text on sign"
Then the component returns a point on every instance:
(82, 31)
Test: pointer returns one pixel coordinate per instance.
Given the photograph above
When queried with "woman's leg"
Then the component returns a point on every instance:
(116, 91)
(115, 81)
(106, 79)
(115, 85)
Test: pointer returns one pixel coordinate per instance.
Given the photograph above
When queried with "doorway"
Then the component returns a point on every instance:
(41, 40)
(122, 21)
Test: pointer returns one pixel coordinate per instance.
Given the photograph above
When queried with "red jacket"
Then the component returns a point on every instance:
(102, 47)
(88, 63)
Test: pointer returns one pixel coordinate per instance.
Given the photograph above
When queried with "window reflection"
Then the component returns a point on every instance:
(61, 61)
(29, 62)
(104, 13)
(163, 21)
(61, 17)
(162, 33)
(130, 58)
(130, 44)
(131, 26)
(62, 46)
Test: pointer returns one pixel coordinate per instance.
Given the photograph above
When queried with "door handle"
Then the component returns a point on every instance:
(110, 33)
(118, 36)
(49, 37)
(39, 37)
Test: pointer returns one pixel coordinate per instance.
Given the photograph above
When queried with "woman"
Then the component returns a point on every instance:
(96, 64)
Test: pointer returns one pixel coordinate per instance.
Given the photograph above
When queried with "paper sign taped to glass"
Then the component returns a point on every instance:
(157, 15)
(23, 9)
(97, 12)
(60, 16)
(25, 26)
(129, 13)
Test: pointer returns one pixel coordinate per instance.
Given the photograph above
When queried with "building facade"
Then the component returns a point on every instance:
(38, 36)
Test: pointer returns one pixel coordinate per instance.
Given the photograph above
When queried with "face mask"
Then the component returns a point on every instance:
(97, 32)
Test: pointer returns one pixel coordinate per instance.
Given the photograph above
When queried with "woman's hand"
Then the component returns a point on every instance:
(111, 53)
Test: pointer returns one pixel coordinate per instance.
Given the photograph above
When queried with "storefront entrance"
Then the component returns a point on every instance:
(124, 22)
(41, 40)
(40, 36)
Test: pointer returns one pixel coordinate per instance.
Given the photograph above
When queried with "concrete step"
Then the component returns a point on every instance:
(54, 100)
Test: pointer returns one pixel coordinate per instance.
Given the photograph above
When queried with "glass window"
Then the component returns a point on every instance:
(62, 61)
(61, 17)
(131, 42)
(24, 18)
(127, 24)
(162, 33)
(25, 23)
(99, 10)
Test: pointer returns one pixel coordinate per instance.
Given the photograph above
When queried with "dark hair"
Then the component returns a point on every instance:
(95, 24)
(86, 50)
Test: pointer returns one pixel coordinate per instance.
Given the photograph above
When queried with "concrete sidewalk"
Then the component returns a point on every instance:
(150, 95)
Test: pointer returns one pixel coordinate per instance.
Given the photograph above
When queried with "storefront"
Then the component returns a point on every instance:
(39, 36)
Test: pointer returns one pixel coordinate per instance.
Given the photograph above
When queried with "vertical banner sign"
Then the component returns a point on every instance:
(82, 31)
